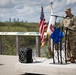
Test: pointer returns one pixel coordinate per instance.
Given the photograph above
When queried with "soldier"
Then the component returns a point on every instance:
(70, 23)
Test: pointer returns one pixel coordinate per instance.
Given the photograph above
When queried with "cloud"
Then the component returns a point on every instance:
(25, 10)
(3, 2)
(6, 4)
(71, 1)
(30, 10)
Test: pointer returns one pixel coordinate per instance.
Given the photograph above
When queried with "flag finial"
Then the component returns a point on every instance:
(51, 5)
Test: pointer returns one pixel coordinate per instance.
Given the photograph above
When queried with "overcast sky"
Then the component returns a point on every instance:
(29, 10)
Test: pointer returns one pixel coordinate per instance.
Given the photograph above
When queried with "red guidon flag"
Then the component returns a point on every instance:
(50, 28)
(42, 26)
(52, 19)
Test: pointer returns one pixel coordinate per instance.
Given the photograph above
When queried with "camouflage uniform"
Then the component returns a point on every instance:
(70, 23)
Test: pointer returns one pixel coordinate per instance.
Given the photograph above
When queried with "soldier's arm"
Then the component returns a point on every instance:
(73, 28)
(62, 24)
(74, 23)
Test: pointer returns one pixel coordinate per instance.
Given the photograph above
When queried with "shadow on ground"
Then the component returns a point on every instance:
(31, 74)
(1, 64)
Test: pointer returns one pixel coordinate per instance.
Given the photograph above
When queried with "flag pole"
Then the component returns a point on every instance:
(51, 6)
(51, 41)
(56, 45)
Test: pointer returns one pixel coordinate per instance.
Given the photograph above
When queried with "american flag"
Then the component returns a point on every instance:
(42, 26)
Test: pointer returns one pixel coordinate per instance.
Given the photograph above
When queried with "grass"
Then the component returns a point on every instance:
(13, 29)
(18, 27)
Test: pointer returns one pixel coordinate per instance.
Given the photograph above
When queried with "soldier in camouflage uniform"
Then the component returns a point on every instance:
(70, 23)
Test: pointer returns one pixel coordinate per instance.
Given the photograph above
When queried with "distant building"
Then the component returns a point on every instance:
(26, 21)
(22, 21)
(17, 19)
(14, 20)
(9, 19)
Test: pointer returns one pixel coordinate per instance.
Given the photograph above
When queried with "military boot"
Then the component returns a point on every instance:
(72, 60)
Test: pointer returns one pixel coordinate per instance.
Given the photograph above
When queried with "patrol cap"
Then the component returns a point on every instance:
(68, 9)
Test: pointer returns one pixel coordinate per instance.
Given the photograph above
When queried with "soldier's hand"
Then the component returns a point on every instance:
(71, 28)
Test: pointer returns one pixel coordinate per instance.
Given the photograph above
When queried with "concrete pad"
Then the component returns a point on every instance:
(10, 65)
(7, 65)
(46, 66)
